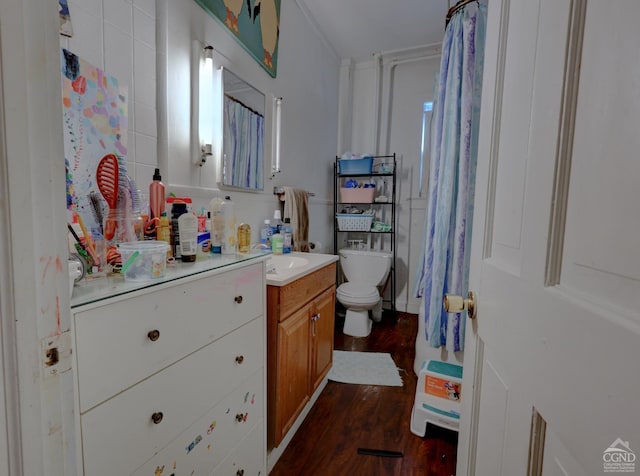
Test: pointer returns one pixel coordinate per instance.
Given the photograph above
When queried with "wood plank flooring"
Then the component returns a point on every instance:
(347, 417)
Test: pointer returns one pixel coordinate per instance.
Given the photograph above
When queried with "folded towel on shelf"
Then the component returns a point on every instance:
(296, 209)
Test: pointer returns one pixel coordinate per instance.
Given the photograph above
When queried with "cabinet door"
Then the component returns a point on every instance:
(322, 323)
(292, 389)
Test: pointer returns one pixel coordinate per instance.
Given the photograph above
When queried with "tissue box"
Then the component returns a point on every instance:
(355, 166)
(357, 195)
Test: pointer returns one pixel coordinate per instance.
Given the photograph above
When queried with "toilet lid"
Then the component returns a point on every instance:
(358, 290)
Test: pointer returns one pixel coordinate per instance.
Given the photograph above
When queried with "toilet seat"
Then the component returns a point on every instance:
(358, 293)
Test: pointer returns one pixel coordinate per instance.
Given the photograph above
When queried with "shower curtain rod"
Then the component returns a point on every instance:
(243, 104)
(457, 7)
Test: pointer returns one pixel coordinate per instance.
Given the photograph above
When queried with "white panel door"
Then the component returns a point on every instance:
(555, 262)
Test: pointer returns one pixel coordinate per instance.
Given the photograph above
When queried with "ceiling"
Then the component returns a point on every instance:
(358, 28)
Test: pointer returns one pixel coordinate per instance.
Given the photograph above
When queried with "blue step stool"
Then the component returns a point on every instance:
(438, 393)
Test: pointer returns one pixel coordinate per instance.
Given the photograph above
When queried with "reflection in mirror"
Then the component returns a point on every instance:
(243, 134)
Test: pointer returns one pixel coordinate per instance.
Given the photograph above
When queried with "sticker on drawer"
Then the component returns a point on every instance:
(208, 441)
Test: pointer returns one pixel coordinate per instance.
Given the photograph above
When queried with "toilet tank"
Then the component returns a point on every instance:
(366, 267)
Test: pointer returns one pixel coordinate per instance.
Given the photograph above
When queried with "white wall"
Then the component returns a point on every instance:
(307, 80)
(119, 37)
(386, 117)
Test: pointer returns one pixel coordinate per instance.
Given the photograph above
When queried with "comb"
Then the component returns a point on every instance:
(107, 178)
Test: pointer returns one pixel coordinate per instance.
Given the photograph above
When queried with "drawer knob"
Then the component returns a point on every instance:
(240, 472)
(156, 417)
(154, 335)
(238, 299)
(239, 359)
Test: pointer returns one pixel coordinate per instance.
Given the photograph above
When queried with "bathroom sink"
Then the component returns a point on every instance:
(284, 269)
(281, 263)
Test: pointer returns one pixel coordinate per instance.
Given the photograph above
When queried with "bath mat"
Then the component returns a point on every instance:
(364, 368)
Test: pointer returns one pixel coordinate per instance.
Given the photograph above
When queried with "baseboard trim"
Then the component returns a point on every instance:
(274, 455)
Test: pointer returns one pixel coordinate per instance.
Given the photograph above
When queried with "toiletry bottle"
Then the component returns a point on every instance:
(229, 243)
(287, 236)
(178, 207)
(156, 196)
(265, 233)
(164, 232)
(244, 238)
(276, 223)
(188, 230)
(217, 224)
(277, 243)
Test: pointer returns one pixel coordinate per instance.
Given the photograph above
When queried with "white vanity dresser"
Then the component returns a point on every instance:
(170, 376)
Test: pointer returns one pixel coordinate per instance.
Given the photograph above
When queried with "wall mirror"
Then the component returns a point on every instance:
(243, 134)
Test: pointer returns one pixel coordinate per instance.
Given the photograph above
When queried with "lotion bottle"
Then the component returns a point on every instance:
(188, 229)
(217, 224)
(229, 242)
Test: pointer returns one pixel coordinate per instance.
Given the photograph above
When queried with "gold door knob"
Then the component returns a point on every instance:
(454, 303)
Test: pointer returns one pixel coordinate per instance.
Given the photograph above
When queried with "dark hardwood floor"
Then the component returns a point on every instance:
(347, 417)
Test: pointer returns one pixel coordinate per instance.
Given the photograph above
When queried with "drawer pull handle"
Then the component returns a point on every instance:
(239, 359)
(238, 299)
(240, 472)
(156, 417)
(154, 335)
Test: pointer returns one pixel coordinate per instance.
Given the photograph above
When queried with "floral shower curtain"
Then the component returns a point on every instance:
(454, 132)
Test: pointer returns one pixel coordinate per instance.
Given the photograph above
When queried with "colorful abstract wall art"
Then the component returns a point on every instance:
(66, 28)
(254, 23)
(95, 124)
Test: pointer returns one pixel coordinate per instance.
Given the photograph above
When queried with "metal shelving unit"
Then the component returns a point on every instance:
(384, 176)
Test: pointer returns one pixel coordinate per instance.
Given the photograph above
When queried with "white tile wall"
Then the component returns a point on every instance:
(119, 13)
(119, 36)
(144, 74)
(146, 149)
(147, 6)
(87, 33)
(118, 55)
(144, 28)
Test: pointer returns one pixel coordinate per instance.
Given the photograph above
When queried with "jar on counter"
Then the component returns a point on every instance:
(244, 238)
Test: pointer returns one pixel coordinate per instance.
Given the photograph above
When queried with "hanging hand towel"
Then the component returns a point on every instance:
(295, 208)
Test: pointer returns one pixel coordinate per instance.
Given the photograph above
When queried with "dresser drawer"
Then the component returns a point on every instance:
(206, 443)
(296, 294)
(247, 458)
(119, 435)
(123, 342)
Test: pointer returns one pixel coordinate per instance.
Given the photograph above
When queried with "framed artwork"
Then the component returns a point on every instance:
(254, 23)
(94, 108)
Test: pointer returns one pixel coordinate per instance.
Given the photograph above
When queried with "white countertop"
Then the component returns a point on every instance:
(292, 266)
(97, 289)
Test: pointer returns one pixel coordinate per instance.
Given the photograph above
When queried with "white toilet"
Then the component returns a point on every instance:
(365, 272)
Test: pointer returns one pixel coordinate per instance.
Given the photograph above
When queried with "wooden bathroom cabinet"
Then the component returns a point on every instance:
(300, 323)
